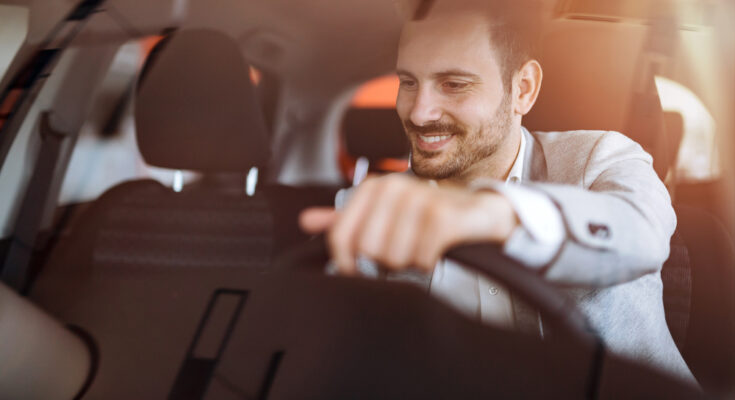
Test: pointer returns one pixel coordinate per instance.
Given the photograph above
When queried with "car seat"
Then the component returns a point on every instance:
(141, 259)
(597, 76)
(709, 345)
(593, 81)
(195, 109)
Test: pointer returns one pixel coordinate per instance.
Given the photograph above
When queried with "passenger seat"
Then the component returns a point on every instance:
(139, 267)
(195, 109)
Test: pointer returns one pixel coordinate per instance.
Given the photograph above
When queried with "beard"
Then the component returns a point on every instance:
(469, 147)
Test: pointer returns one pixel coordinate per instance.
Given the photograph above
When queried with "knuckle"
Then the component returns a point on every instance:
(368, 248)
(395, 261)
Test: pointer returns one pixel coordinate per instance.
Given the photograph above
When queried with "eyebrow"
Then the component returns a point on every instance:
(445, 74)
(404, 72)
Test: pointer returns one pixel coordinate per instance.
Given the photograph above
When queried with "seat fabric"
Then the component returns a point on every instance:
(709, 347)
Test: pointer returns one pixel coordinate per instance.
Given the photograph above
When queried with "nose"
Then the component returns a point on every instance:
(425, 108)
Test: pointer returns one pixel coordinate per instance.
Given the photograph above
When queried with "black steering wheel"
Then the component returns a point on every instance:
(558, 311)
(338, 348)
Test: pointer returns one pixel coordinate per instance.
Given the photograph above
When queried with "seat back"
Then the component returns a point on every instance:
(374, 133)
(141, 255)
(598, 76)
(709, 345)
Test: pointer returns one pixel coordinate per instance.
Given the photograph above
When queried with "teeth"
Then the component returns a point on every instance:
(434, 139)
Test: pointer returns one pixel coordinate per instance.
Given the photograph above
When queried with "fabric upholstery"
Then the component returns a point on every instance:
(144, 225)
(710, 342)
(676, 275)
(196, 106)
(375, 133)
(591, 82)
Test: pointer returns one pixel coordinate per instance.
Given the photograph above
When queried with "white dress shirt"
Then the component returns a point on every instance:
(534, 243)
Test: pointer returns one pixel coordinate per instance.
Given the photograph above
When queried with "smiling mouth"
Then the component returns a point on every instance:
(434, 139)
(433, 143)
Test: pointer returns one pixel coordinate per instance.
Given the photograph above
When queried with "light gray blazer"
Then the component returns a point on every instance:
(619, 221)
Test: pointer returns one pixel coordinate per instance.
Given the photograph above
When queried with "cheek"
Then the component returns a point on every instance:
(476, 110)
(403, 104)
(468, 112)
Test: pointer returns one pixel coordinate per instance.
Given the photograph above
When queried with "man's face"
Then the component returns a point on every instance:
(451, 98)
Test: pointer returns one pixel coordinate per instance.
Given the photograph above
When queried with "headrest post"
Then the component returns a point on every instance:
(178, 182)
(362, 166)
(251, 182)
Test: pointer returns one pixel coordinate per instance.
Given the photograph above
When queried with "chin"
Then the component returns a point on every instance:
(436, 171)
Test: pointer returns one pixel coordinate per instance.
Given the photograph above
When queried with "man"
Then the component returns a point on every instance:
(584, 209)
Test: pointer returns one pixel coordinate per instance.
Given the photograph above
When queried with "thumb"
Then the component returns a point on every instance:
(317, 219)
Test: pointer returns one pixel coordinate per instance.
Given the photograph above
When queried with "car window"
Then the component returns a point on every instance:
(698, 155)
(13, 31)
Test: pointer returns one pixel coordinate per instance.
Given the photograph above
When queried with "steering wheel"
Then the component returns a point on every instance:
(559, 312)
(299, 315)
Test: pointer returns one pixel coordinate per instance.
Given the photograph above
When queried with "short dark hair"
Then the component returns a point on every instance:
(515, 27)
(515, 31)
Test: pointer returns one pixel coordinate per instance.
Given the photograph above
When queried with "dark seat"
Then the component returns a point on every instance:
(595, 78)
(709, 345)
(142, 259)
(374, 133)
(195, 109)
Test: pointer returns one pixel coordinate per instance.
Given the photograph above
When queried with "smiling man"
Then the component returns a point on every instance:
(584, 209)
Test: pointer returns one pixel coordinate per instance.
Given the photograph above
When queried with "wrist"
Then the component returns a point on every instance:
(494, 217)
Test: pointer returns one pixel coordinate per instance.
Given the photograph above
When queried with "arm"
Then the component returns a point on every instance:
(613, 228)
(616, 226)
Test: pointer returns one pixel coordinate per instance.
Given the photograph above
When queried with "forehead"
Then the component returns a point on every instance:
(460, 40)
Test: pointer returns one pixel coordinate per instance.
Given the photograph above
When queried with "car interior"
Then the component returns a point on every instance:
(155, 157)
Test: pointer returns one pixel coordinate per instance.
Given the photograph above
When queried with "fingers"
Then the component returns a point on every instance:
(383, 222)
(438, 220)
(401, 242)
(342, 236)
(316, 220)
(373, 239)
(402, 222)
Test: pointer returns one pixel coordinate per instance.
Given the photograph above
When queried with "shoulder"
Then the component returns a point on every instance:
(587, 143)
(571, 155)
(582, 138)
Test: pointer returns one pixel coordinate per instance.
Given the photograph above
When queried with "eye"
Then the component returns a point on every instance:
(454, 85)
(407, 83)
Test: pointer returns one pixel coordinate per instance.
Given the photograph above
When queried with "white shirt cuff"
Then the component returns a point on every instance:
(537, 240)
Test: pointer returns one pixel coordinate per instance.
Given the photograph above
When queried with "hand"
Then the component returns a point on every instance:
(401, 222)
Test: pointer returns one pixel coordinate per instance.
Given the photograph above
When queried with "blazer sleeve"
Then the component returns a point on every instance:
(618, 223)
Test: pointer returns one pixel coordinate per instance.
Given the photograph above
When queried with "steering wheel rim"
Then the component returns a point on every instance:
(559, 311)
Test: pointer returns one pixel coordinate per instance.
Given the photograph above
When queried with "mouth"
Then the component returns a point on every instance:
(433, 142)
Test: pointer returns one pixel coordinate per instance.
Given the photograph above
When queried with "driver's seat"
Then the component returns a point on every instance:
(590, 74)
(709, 344)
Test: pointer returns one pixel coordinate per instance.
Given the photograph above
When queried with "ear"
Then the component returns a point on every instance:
(527, 84)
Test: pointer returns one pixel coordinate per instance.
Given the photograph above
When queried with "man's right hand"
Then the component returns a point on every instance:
(400, 222)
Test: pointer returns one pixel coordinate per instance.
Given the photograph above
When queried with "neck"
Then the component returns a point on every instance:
(497, 166)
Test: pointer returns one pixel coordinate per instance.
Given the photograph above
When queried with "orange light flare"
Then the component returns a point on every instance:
(377, 93)
(146, 46)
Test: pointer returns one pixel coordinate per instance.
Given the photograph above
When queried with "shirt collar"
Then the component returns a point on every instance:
(516, 171)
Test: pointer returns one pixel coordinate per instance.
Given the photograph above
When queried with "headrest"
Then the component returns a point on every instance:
(196, 107)
(374, 133)
(592, 80)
